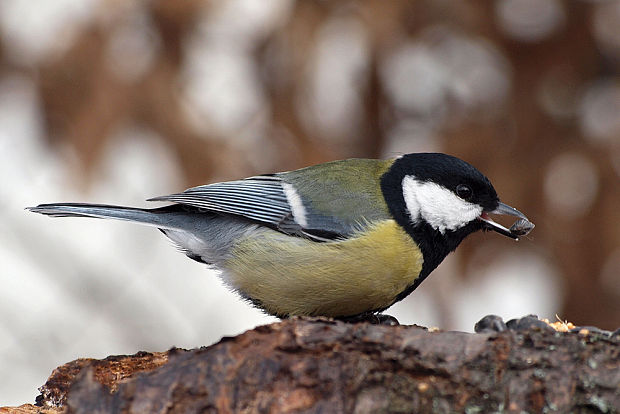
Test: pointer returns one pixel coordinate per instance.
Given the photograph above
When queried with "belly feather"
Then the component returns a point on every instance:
(294, 276)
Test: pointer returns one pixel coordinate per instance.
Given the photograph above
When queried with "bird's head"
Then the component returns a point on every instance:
(440, 199)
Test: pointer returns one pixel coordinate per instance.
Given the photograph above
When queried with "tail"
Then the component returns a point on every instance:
(149, 217)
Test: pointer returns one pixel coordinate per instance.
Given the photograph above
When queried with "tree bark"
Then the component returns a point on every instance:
(324, 366)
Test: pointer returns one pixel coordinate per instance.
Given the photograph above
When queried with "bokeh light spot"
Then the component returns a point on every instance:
(571, 185)
(530, 20)
(600, 111)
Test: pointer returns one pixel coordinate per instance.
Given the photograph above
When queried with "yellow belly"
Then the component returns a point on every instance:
(294, 276)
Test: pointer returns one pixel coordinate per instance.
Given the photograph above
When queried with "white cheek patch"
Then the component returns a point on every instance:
(297, 206)
(439, 207)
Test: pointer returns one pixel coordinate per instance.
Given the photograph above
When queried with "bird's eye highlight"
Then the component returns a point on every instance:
(464, 191)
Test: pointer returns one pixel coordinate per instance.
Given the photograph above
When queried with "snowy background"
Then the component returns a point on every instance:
(115, 102)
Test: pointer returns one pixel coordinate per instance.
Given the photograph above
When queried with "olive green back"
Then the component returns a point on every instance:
(341, 196)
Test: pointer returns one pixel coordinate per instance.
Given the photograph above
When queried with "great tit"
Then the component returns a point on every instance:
(340, 239)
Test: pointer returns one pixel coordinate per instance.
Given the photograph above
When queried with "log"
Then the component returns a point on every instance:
(320, 365)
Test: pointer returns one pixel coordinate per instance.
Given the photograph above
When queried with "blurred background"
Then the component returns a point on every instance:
(115, 102)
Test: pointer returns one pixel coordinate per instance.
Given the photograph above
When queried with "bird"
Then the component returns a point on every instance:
(343, 239)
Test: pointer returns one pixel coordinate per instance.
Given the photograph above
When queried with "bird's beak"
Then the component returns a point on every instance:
(506, 210)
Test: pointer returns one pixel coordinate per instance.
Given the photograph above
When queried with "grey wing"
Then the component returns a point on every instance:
(261, 199)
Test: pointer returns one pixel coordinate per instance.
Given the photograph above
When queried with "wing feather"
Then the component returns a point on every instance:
(259, 198)
(332, 200)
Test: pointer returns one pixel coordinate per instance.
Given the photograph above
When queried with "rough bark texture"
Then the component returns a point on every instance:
(305, 365)
(108, 372)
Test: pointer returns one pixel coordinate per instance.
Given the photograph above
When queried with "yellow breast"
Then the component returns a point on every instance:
(294, 276)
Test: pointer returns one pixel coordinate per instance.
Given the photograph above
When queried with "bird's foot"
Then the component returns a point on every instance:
(388, 320)
(372, 318)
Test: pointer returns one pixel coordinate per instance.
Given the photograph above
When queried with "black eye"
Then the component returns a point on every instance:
(464, 191)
